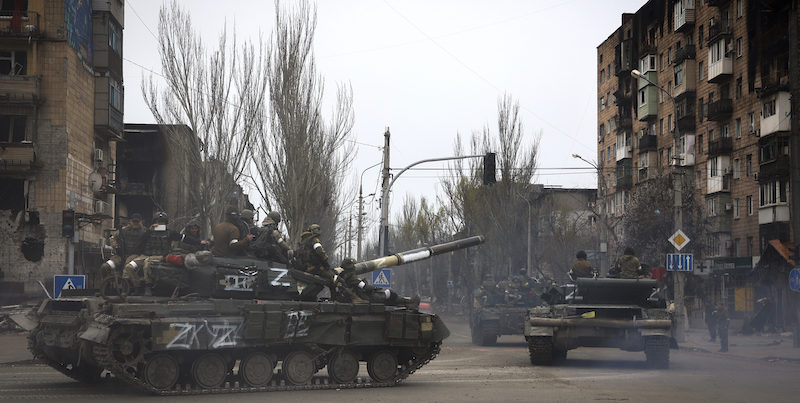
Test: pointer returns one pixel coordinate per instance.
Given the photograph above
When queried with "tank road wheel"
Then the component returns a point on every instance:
(485, 333)
(257, 369)
(161, 371)
(209, 371)
(129, 346)
(299, 367)
(343, 367)
(382, 366)
(541, 350)
(656, 349)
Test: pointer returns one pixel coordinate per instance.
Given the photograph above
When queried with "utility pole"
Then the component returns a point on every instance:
(384, 238)
(360, 218)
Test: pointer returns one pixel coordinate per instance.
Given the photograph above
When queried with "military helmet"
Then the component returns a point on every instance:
(275, 216)
(161, 216)
(348, 263)
(523, 271)
(247, 213)
(315, 229)
(193, 223)
(581, 254)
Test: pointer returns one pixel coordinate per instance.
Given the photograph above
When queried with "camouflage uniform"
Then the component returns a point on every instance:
(628, 266)
(361, 291)
(124, 242)
(312, 257)
(270, 244)
(188, 231)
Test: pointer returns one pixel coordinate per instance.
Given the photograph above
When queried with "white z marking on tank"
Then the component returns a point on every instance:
(186, 337)
(225, 335)
(282, 272)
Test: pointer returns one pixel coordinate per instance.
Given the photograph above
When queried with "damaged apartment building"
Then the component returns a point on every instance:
(61, 115)
(712, 105)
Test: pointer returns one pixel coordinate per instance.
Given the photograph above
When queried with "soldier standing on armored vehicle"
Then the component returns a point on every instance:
(231, 236)
(581, 267)
(488, 290)
(270, 244)
(154, 244)
(124, 241)
(363, 292)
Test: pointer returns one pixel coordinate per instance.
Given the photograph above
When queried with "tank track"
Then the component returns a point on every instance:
(656, 349)
(104, 356)
(75, 374)
(541, 350)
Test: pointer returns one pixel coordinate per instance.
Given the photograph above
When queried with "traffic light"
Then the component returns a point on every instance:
(794, 255)
(68, 223)
(489, 169)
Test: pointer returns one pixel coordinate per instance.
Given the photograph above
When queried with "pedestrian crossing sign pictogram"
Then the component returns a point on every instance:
(61, 282)
(382, 278)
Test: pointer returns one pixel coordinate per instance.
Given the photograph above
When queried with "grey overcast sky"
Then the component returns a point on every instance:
(429, 70)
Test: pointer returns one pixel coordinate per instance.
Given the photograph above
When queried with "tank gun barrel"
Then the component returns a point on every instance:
(417, 254)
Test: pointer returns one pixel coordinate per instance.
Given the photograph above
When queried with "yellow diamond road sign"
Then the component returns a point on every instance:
(679, 239)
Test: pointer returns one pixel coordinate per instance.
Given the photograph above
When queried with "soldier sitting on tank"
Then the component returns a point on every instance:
(154, 245)
(123, 242)
(360, 291)
(270, 244)
(581, 268)
(231, 237)
(192, 229)
(311, 255)
(628, 266)
(487, 294)
(512, 292)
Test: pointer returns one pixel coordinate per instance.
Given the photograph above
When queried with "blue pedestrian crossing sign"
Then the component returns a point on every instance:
(794, 279)
(382, 278)
(680, 262)
(62, 282)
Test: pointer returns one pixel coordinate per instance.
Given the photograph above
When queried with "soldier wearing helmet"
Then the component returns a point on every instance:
(193, 230)
(154, 244)
(270, 243)
(231, 238)
(247, 217)
(581, 267)
(312, 257)
(361, 291)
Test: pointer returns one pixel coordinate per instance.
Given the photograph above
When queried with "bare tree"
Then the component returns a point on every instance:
(494, 212)
(306, 157)
(220, 96)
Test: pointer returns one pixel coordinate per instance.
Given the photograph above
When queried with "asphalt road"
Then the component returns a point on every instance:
(466, 372)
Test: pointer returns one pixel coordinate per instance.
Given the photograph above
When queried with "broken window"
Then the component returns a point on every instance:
(12, 128)
(13, 62)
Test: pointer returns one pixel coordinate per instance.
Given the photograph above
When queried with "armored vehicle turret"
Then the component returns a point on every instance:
(629, 314)
(225, 325)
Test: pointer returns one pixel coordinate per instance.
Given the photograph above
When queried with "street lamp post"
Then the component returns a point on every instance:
(678, 210)
(361, 209)
(601, 208)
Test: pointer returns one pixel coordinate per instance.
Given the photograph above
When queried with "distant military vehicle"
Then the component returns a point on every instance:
(501, 314)
(223, 325)
(629, 314)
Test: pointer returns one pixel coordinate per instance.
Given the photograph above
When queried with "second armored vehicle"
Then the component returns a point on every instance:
(629, 314)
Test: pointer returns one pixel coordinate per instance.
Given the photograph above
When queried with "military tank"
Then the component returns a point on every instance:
(498, 315)
(629, 314)
(225, 324)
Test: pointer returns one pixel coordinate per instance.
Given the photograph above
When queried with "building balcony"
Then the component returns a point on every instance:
(623, 98)
(646, 174)
(720, 146)
(721, 70)
(686, 52)
(717, 3)
(720, 110)
(773, 214)
(648, 143)
(686, 124)
(719, 28)
(144, 154)
(19, 90)
(684, 21)
(776, 169)
(778, 119)
(623, 60)
(18, 157)
(20, 24)
(134, 189)
(776, 230)
(719, 223)
(718, 184)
